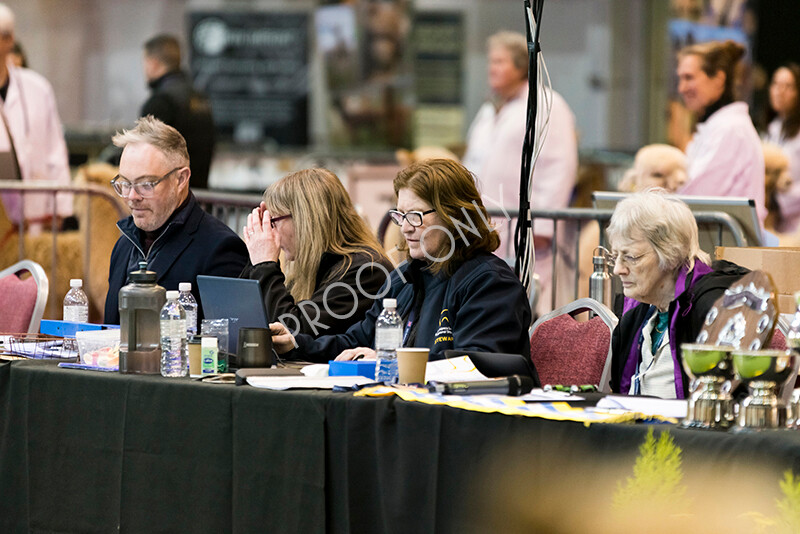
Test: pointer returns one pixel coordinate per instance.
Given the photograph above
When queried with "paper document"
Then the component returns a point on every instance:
(452, 369)
(538, 394)
(645, 405)
(302, 382)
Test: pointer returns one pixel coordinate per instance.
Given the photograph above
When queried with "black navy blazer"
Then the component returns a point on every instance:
(193, 242)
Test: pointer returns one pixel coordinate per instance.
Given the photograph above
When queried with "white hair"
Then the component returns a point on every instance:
(665, 221)
(6, 20)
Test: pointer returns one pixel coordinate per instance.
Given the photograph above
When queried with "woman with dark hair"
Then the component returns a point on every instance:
(724, 156)
(332, 262)
(783, 130)
(452, 292)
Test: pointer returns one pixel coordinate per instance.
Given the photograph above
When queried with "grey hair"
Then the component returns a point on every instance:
(7, 20)
(665, 221)
(516, 43)
(154, 132)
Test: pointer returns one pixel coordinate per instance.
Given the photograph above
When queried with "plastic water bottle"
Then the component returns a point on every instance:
(174, 356)
(76, 303)
(190, 307)
(388, 337)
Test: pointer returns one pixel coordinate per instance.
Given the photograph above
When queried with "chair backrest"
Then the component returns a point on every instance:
(565, 351)
(22, 302)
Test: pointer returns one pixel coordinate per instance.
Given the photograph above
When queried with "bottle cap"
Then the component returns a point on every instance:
(389, 303)
(142, 275)
(185, 286)
(75, 282)
(172, 294)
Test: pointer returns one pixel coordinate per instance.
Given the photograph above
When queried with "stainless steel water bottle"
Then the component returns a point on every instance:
(600, 280)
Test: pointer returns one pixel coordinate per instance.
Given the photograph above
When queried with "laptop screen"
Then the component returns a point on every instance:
(237, 299)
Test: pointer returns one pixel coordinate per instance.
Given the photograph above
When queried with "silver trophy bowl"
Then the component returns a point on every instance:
(710, 402)
(764, 372)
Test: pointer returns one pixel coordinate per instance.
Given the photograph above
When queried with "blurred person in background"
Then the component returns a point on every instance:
(18, 57)
(494, 155)
(32, 147)
(176, 102)
(332, 261)
(669, 285)
(724, 156)
(783, 130)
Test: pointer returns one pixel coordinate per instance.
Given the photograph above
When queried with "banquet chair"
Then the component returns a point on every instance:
(566, 351)
(22, 301)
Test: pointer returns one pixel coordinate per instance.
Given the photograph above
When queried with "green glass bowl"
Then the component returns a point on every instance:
(769, 365)
(707, 360)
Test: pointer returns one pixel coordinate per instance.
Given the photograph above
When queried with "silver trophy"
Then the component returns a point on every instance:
(710, 402)
(765, 372)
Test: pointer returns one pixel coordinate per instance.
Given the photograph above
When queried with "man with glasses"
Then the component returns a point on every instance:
(167, 228)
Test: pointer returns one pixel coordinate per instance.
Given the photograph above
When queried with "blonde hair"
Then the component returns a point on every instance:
(665, 221)
(324, 221)
(450, 189)
(154, 132)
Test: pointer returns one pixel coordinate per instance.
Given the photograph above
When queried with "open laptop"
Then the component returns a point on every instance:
(237, 299)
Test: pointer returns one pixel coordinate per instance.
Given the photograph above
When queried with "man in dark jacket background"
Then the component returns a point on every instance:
(167, 228)
(174, 101)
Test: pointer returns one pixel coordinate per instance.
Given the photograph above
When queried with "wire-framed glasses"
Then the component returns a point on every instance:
(144, 189)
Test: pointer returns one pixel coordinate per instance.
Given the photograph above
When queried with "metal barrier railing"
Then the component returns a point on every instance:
(230, 208)
(233, 208)
(705, 219)
(90, 190)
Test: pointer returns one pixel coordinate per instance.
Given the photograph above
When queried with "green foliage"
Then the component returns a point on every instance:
(789, 506)
(656, 485)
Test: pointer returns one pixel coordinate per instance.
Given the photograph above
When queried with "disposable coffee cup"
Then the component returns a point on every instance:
(411, 364)
(255, 348)
(195, 365)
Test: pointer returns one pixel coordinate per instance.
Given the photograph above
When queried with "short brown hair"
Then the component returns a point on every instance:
(166, 49)
(450, 189)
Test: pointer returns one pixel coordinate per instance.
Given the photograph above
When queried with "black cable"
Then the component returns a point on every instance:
(523, 222)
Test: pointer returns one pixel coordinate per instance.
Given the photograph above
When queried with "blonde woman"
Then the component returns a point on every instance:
(334, 267)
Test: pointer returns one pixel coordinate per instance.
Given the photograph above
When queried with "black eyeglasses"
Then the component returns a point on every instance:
(143, 189)
(414, 218)
(273, 220)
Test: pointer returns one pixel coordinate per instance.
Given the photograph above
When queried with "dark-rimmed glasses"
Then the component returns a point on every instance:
(273, 220)
(414, 218)
(143, 189)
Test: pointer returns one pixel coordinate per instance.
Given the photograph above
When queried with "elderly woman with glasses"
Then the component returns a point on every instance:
(669, 286)
(451, 292)
(333, 266)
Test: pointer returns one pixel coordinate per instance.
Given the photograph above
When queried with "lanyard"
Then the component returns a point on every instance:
(657, 345)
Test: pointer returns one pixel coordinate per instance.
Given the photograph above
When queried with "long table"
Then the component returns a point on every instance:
(103, 452)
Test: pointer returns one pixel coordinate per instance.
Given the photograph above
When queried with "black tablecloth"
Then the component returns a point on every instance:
(102, 452)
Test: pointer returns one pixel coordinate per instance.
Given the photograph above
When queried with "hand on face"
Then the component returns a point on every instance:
(263, 242)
